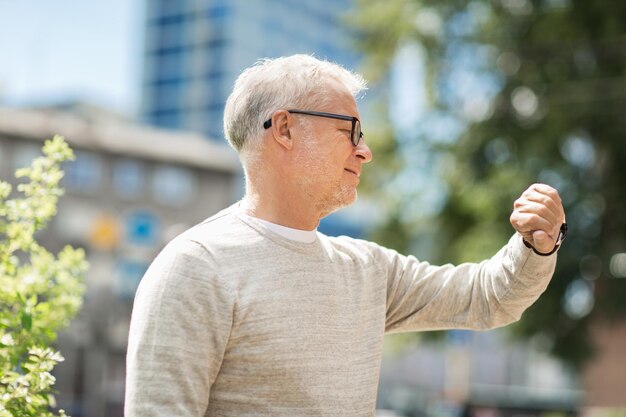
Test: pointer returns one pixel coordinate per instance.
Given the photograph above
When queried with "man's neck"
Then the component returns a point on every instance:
(280, 208)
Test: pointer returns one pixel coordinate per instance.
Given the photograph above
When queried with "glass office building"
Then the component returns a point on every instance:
(194, 50)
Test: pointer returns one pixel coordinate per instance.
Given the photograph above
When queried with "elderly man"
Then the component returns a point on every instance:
(254, 312)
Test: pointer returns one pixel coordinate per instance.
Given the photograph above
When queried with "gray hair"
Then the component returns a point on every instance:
(297, 81)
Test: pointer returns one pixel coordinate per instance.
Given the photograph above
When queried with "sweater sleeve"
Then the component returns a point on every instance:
(479, 296)
(180, 325)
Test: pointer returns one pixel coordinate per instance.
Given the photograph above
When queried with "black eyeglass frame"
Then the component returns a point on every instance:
(355, 135)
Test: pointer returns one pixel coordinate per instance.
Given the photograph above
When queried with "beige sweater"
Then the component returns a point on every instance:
(234, 320)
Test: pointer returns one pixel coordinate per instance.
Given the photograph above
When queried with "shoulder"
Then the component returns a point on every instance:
(193, 256)
(220, 240)
(223, 229)
(360, 248)
(195, 241)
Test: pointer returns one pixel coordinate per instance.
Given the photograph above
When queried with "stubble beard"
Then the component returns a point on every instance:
(333, 196)
(343, 197)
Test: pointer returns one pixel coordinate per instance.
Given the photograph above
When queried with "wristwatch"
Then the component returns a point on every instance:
(559, 240)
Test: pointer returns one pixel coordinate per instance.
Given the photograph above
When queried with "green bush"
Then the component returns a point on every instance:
(39, 293)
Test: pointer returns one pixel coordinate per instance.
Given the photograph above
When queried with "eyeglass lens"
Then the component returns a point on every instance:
(356, 133)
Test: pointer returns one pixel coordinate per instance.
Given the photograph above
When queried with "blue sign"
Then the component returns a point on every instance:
(142, 228)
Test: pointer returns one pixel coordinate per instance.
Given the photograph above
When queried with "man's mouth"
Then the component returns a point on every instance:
(353, 172)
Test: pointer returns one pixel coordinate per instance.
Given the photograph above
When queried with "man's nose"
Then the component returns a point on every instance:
(363, 152)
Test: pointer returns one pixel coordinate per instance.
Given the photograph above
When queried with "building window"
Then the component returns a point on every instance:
(169, 119)
(168, 63)
(173, 186)
(172, 34)
(167, 98)
(84, 173)
(167, 82)
(167, 19)
(168, 8)
(129, 178)
(218, 12)
(215, 76)
(216, 50)
(128, 274)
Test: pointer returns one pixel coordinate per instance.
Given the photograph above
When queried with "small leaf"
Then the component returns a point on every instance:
(20, 297)
(27, 320)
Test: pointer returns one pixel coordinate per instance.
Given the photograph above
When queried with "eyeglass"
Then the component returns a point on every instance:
(355, 133)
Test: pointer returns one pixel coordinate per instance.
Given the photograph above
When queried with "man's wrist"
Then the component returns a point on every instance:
(559, 241)
(529, 246)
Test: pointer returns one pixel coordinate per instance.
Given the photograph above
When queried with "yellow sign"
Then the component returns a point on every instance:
(105, 233)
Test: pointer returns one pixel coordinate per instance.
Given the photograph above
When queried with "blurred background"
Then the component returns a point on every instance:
(470, 101)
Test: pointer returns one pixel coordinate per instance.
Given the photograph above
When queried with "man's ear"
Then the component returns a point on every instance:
(281, 123)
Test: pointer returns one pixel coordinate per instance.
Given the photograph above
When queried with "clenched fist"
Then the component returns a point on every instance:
(538, 215)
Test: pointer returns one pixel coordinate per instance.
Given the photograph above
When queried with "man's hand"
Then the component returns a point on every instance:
(538, 215)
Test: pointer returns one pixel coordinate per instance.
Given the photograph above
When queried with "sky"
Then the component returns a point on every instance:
(57, 50)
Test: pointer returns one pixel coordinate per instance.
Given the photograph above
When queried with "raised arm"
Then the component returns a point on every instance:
(481, 295)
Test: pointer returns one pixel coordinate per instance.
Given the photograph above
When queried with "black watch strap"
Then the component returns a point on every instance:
(559, 241)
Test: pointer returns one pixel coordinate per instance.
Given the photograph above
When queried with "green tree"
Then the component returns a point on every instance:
(39, 293)
(537, 91)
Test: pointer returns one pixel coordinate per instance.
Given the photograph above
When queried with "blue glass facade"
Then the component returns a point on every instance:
(195, 50)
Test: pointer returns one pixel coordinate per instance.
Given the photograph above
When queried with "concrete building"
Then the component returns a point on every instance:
(129, 191)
